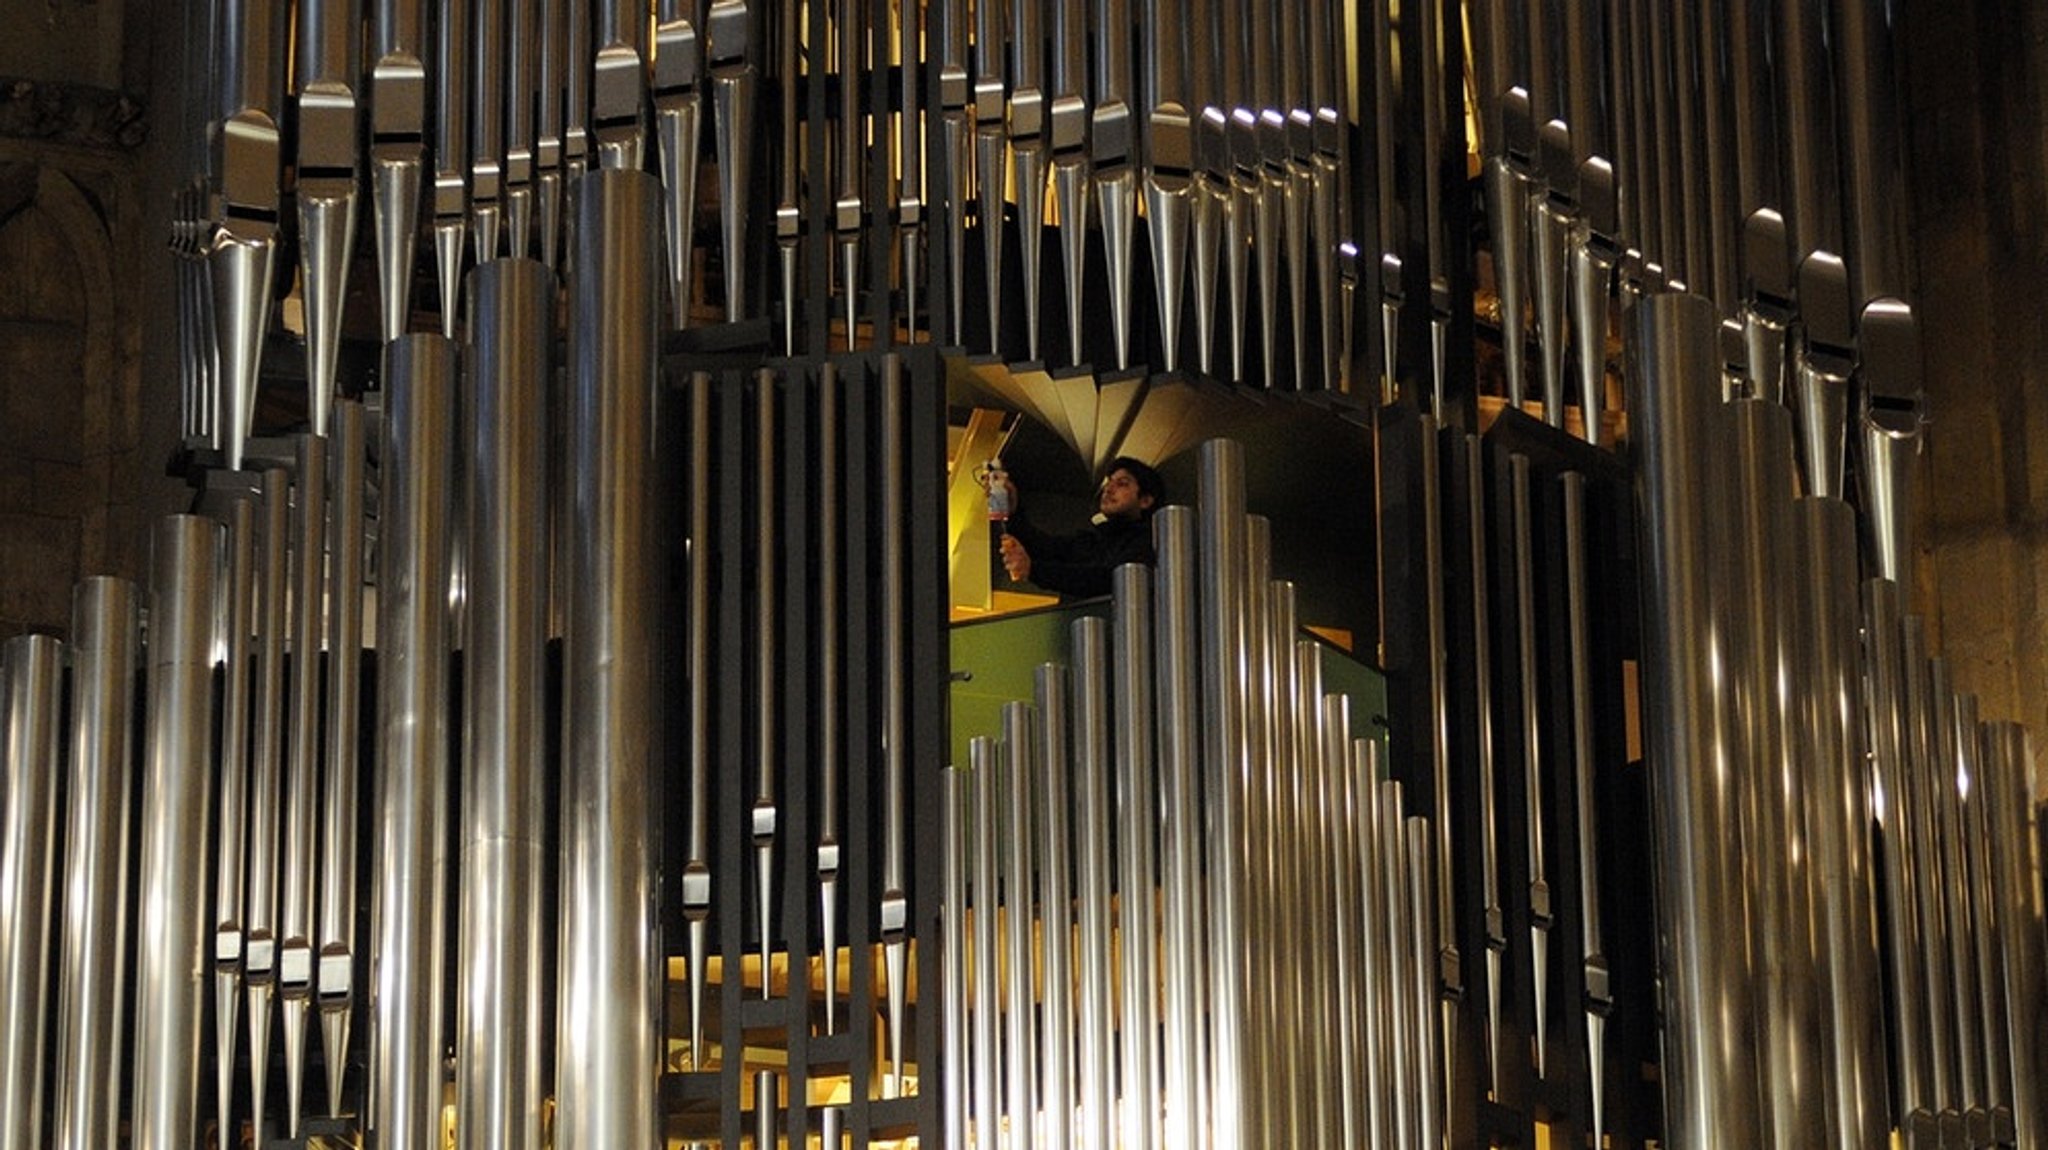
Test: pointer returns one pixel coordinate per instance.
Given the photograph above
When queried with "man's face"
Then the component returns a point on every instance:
(1120, 497)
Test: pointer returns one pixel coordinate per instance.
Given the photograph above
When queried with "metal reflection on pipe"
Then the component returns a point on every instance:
(830, 737)
(607, 1051)
(1019, 755)
(763, 814)
(266, 782)
(1180, 837)
(1710, 1082)
(302, 780)
(336, 940)
(1138, 885)
(895, 907)
(31, 689)
(177, 746)
(106, 652)
(237, 609)
(953, 956)
(1839, 817)
(1884, 709)
(415, 512)
(498, 1028)
(2017, 869)
(1223, 626)
(696, 884)
(1054, 867)
(984, 757)
(1095, 1026)
(1989, 929)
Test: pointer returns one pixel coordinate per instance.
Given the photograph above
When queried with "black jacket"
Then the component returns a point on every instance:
(1077, 566)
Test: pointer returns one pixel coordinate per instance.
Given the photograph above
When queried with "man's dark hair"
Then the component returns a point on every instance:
(1149, 482)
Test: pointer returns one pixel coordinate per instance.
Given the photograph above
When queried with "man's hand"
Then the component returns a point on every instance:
(1016, 560)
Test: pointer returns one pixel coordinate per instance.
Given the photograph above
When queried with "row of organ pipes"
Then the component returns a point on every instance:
(1843, 848)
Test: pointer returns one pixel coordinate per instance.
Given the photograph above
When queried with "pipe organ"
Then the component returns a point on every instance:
(548, 702)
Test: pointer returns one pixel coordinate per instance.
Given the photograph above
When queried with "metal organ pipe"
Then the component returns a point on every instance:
(106, 653)
(606, 1047)
(415, 516)
(498, 1046)
(176, 800)
(31, 687)
(342, 806)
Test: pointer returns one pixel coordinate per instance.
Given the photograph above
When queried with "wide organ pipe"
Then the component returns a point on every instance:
(498, 1065)
(31, 685)
(177, 751)
(1710, 1082)
(106, 652)
(607, 1048)
(1824, 532)
(414, 518)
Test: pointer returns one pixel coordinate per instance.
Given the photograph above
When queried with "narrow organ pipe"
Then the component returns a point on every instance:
(31, 688)
(106, 652)
(607, 1049)
(498, 1043)
(177, 746)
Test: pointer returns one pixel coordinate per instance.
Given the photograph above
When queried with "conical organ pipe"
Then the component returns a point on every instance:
(607, 1049)
(302, 783)
(498, 1064)
(1137, 817)
(2017, 868)
(177, 746)
(414, 518)
(335, 941)
(105, 654)
(236, 618)
(1710, 1083)
(1824, 532)
(31, 686)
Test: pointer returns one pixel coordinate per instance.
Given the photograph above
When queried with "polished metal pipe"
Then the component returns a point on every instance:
(302, 779)
(1433, 1063)
(1943, 768)
(1891, 804)
(1182, 936)
(1892, 442)
(763, 814)
(1334, 804)
(766, 1106)
(953, 953)
(106, 652)
(607, 1050)
(2016, 866)
(397, 88)
(1095, 1020)
(1019, 756)
(1710, 1082)
(1138, 880)
(1988, 931)
(1957, 777)
(237, 618)
(266, 782)
(1220, 491)
(678, 71)
(1052, 763)
(336, 940)
(487, 126)
(1839, 818)
(415, 513)
(504, 793)
(1319, 1017)
(831, 738)
(32, 680)
(1376, 1078)
(1280, 1093)
(1436, 705)
(1787, 962)
(984, 754)
(697, 847)
(895, 908)
(1917, 717)
(730, 49)
(1406, 985)
(450, 76)
(177, 746)
(1599, 1000)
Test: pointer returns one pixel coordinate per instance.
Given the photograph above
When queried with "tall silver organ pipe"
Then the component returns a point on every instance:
(498, 1046)
(415, 512)
(341, 804)
(238, 603)
(302, 781)
(1709, 1069)
(106, 653)
(607, 1054)
(175, 812)
(1138, 818)
(2017, 870)
(31, 686)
